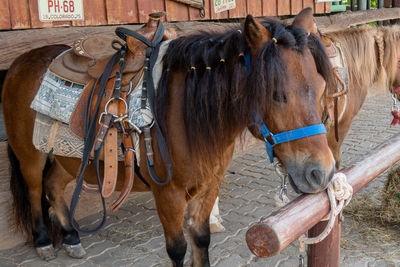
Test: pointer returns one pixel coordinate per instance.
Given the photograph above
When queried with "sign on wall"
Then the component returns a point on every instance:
(60, 10)
(223, 5)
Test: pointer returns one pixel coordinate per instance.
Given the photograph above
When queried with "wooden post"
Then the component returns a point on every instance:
(274, 233)
(327, 252)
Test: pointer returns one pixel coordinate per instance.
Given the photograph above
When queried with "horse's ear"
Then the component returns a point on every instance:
(256, 34)
(306, 21)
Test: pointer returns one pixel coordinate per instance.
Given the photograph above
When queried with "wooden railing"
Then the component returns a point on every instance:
(274, 233)
(366, 4)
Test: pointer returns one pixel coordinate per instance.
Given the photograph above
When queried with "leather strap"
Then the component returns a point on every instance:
(148, 94)
(90, 126)
(117, 108)
(335, 110)
(110, 156)
(129, 171)
(149, 146)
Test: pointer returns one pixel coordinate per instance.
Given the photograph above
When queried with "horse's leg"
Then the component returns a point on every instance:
(199, 228)
(171, 204)
(215, 219)
(54, 184)
(26, 178)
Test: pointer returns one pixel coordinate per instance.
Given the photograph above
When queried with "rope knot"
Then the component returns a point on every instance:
(338, 190)
(341, 189)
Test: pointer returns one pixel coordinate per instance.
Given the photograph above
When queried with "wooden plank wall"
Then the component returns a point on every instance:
(23, 14)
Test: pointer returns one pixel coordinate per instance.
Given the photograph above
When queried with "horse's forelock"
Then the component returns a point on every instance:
(270, 70)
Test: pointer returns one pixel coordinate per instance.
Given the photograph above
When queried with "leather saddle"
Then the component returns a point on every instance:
(88, 58)
(332, 94)
(85, 63)
(330, 47)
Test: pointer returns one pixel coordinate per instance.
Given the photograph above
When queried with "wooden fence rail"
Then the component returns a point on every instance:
(274, 233)
(14, 43)
(23, 14)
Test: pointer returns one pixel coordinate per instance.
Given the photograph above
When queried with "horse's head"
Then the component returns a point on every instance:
(292, 70)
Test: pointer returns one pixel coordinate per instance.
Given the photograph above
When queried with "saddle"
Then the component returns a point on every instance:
(331, 98)
(93, 62)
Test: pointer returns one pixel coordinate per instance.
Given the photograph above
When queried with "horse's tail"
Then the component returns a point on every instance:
(21, 204)
(19, 190)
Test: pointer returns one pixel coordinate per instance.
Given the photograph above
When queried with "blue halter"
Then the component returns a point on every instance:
(286, 136)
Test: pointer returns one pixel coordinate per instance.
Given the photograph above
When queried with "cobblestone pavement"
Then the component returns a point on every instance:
(134, 236)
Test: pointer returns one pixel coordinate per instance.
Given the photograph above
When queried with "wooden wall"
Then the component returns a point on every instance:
(23, 14)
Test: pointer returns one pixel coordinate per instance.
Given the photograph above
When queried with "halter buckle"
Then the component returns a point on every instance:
(272, 142)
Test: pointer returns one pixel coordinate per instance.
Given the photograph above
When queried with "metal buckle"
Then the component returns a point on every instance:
(102, 115)
(116, 98)
(132, 125)
(301, 260)
(120, 121)
(283, 191)
(272, 144)
(121, 118)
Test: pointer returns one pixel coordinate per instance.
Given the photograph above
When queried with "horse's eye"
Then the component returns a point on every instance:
(279, 97)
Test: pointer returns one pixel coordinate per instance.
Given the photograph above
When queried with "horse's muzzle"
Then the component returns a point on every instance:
(309, 178)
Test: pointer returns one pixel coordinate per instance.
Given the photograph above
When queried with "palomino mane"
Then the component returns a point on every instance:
(391, 37)
(220, 92)
(362, 52)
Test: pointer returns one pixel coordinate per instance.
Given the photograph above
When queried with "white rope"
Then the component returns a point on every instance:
(338, 190)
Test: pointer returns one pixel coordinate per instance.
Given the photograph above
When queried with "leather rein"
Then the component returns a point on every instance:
(109, 119)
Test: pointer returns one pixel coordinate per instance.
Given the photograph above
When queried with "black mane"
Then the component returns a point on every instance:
(220, 92)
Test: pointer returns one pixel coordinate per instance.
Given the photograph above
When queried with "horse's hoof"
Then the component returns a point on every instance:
(75, 251)
(216, 228)
(46, 253)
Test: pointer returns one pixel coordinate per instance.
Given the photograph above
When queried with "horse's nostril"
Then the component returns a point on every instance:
(309, 178)
(315, 176)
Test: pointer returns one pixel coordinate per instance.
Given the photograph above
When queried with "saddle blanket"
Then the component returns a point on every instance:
(340, 63)
(56, 100)
(52, 136)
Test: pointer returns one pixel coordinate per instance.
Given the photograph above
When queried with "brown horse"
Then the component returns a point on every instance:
(212, 85)
(373, 61)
